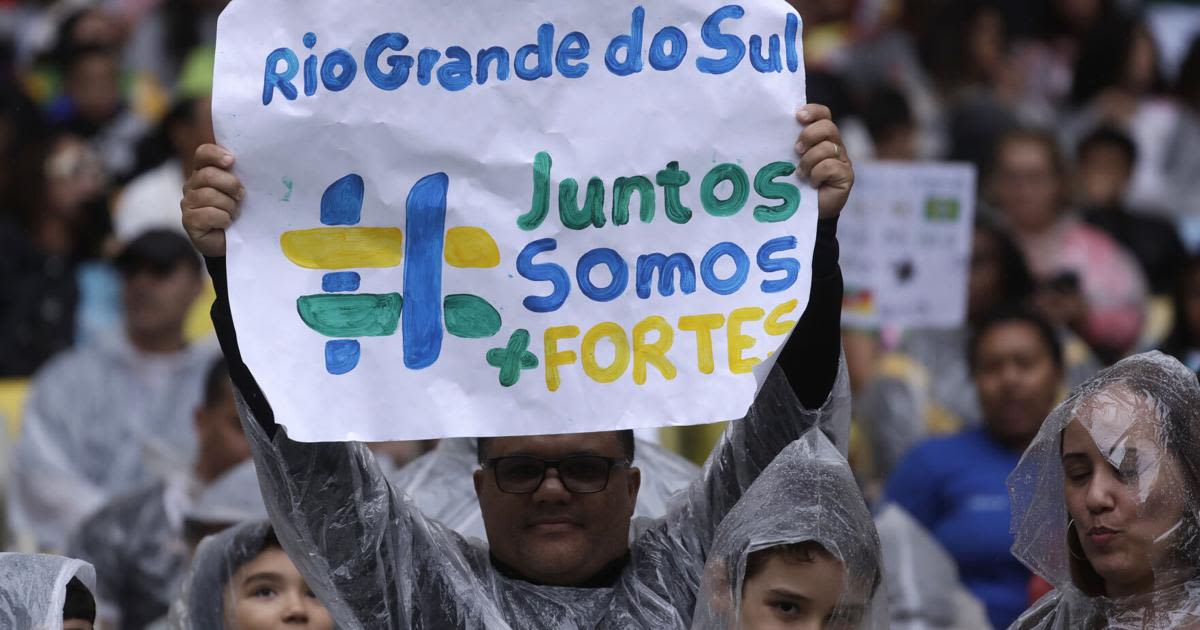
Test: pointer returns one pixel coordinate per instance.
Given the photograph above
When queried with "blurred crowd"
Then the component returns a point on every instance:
(122, 444)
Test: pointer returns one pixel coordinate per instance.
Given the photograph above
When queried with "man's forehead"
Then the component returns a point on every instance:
(604, 443)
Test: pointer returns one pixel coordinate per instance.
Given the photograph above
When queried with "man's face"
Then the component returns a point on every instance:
(157, 301)
(1017, 380)
(554, 536)
(1103, 176)
(94, 86)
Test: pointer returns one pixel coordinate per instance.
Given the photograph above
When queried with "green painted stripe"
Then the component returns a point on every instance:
(356, 315)
(471, 317)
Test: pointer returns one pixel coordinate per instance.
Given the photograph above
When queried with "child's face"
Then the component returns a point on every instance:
(268, 593)
(77, 624)
(798, 594)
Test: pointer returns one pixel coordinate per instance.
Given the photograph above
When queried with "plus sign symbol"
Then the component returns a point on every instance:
(421, 311)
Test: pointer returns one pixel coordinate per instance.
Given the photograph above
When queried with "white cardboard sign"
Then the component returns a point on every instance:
(906, 244)
(486, 217)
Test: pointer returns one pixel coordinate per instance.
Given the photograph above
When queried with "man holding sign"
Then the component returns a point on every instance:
(557, 508)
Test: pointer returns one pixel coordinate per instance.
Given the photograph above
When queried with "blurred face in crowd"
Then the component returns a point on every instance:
(157, 301)
(222, 443)
(1124, 492)
(1079, 14)
(1018, 381)
(553, 535)
(94, 86)
(74, 175)
(187, 136)
(1025, 185)
(804, 590)
(1141, 65)
(268, 593)
(987, 46)
(1103, 175)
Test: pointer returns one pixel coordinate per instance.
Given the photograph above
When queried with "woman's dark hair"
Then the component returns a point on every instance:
(1107, 136)
(79, 603)
(1181, 340)
(1103, 59)
(1018, 280)
(1015, 315)
(944, 50)
(1187, 85)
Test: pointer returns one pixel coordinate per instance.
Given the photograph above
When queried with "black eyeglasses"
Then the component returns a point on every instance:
(579, 474)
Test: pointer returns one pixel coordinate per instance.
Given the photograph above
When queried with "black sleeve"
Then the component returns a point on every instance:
(238, 372)
(812, 354)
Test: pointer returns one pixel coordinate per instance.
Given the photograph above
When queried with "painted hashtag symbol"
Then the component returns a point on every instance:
(345, 315)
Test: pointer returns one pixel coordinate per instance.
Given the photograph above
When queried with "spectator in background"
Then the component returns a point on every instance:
(137, 541)
(1106, 502)
(893, 129)
(242, 580)
(60, 224)
(1184, 340)
(93, 107)
(1104, 167)
(1094, 287)
(1118, 82)
(101, 418)
(151, 201)
(45, 592)
(955, 485)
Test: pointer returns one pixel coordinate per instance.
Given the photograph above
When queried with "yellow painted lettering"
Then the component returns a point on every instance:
(738, 342)
(703, 325)
(616, 335)
(776, 328)
(652, 353)
(556, 358)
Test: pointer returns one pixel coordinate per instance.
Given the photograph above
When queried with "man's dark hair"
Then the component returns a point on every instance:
(1109, 137)
(1015, 315)
(79, 604)
(216, 383)
(625, 437)
(886, 112)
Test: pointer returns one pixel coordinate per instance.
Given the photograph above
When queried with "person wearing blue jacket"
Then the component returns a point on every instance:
(955, 485)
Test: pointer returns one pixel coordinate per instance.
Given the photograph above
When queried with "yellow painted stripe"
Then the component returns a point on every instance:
(344, 248)
(471, 248)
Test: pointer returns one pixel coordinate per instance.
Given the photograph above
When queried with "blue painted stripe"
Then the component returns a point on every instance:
(341, 282)
(341, 356)
(425, 225)
(342, 202)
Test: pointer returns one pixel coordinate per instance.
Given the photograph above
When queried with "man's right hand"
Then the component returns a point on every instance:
(210, 200)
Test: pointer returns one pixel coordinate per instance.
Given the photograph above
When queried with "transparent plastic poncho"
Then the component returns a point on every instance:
(377, 562)
(101, 420)
(139, 541)
(439, 483)
(33, 589)
(1142, 419)
(808, 494)
(201, 603)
